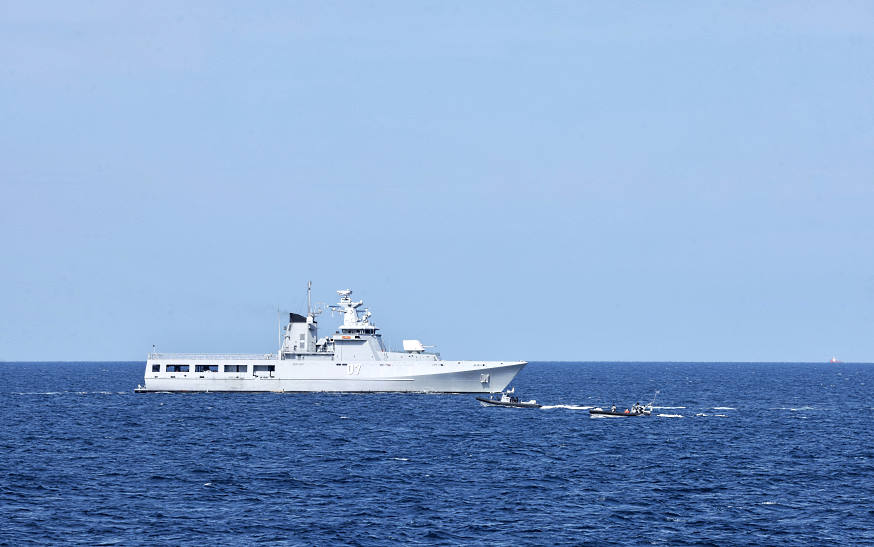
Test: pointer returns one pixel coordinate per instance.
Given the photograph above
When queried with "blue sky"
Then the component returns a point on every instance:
(539, 180)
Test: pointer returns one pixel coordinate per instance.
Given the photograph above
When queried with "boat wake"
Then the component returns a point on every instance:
(69, 392)
(794, 409)
(670, 415)
(569, 407)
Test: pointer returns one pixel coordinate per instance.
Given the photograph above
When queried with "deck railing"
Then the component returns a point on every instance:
(216, 356)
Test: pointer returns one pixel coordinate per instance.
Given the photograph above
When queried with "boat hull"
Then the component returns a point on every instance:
(609, 414)
(492, 402)
(441, 377)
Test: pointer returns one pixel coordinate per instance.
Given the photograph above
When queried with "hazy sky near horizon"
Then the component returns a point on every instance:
(506, 180)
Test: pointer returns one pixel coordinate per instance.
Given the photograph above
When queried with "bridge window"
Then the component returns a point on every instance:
(265, 368)
(236, 368)
(156, 368)
(205, 368)
(177, 368)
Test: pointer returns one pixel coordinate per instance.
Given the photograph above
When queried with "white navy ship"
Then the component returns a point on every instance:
(353, 359)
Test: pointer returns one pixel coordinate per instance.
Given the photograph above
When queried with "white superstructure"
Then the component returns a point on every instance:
(353, 359)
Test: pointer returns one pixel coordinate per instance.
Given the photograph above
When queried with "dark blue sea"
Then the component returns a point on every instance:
(737, 454)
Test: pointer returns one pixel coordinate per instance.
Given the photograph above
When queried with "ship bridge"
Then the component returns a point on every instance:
(357, 336)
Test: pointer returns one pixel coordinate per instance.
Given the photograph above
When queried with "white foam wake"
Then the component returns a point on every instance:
(569, 407)
(669, 415)
(794, 409)
(68, 392)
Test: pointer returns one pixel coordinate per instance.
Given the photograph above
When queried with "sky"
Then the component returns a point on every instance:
(635, 181)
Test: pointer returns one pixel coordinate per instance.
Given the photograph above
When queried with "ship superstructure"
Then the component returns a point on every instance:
(353, 359)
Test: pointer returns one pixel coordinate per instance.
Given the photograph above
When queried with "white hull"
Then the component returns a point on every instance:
(289, 376)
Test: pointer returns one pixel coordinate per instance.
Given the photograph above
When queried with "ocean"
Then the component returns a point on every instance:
(734, 454)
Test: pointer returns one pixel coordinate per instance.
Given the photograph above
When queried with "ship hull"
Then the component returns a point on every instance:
(451, 377)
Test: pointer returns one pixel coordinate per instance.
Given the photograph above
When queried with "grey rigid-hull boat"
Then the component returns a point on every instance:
(508, 399)
(635, 411)
(601, 413)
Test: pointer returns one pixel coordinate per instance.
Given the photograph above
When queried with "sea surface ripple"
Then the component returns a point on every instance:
(735, 454)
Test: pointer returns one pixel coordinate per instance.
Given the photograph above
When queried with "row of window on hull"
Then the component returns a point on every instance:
(215, 368)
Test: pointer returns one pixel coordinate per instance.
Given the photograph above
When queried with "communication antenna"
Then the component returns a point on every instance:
(309, 290)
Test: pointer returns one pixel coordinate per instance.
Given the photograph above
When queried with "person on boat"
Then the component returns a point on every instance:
(613, 408)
